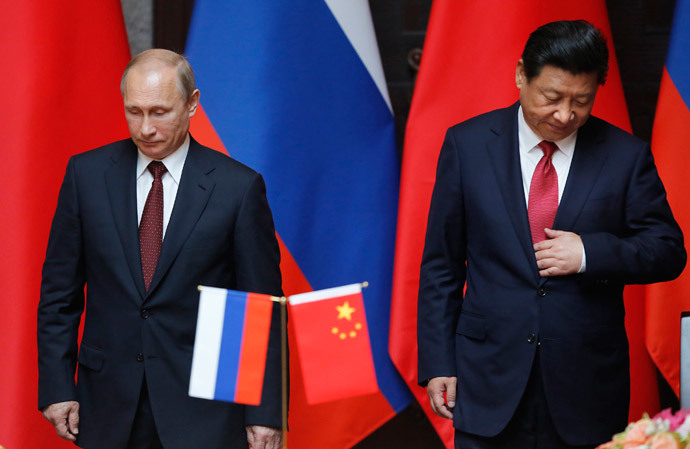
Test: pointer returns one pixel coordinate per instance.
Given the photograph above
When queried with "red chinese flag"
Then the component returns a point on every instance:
(332, 342)
(62, 96)
(468, 68)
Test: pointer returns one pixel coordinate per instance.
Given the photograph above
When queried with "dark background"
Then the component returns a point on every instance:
(641, 30)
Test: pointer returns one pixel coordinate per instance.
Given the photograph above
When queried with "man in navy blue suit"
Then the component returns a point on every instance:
(142, 222)
(546, 213)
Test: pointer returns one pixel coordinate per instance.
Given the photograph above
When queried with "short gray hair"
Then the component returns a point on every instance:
(185, 74)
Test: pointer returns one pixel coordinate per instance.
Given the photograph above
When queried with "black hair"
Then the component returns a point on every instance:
(572, 45)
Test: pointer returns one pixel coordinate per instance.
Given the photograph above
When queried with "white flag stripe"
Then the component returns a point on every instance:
(328, 293)
(209, 332)
(354, 18)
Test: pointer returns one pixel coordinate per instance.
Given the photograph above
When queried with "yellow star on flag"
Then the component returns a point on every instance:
(345, 311)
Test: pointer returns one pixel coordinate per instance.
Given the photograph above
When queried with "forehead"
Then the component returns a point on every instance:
(556, 79)
(151, 85)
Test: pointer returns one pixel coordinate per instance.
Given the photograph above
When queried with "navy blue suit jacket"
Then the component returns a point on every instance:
(478, 232)
(220, 234)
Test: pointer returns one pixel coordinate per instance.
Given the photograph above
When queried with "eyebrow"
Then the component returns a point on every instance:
(550, 90)
(155, 106)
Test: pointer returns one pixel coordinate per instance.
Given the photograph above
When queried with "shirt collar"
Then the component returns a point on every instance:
(174, 162)
(529, 139)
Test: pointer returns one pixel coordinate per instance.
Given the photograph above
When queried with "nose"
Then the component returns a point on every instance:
(564, 113)
(147, 126)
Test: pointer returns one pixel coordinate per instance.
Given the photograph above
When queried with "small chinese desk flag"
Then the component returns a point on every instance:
(332, 342)
(230, 347)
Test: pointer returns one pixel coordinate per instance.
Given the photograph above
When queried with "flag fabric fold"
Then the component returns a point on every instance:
(670, 137)
(65, 60)
(230, 346)
(332, 341)
(296, 91)
(468, 67)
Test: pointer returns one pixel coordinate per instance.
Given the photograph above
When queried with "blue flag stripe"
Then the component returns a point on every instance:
(230, 346)
(678, 59)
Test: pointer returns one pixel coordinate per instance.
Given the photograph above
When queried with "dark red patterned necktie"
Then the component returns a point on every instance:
(543, 194)
(151, 226)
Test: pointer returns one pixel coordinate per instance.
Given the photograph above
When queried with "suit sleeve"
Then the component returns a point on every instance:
(651, 249)
(62, 299)
(442, 274)
(257, 265)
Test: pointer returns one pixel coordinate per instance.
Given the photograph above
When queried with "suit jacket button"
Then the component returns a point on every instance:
(140, 357)
(144, 313)
(531, 338)
(541, 292)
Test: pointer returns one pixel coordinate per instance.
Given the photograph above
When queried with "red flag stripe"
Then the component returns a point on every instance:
(252, 366)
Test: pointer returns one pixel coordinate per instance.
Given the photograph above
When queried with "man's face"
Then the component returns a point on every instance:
(157, 115)
(556, 103)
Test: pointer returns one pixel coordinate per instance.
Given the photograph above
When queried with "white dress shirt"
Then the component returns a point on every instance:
(531, 153)
(174, 163)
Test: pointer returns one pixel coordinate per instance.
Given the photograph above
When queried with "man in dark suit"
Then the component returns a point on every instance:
(142, 222)
(546, 213)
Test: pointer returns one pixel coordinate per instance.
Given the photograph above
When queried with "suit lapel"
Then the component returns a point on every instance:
(192, 196)
(505, 156)
(121, 185)
(585, 168)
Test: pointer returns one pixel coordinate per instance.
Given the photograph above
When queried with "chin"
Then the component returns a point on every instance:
(552, 136)
(152, 152)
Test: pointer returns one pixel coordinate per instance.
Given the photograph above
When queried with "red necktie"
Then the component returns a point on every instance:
(543, 194)
(151, 226)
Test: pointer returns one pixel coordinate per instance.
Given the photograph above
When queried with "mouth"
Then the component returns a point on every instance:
(558, 127)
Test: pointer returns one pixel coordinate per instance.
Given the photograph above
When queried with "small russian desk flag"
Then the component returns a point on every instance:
(230, 347)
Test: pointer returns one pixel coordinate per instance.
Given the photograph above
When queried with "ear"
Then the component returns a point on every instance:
(193, 102)
(520, 76)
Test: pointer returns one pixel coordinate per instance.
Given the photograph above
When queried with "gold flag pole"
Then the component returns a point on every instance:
(283, 356)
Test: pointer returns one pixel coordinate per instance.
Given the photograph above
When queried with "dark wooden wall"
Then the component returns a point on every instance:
(640, 28)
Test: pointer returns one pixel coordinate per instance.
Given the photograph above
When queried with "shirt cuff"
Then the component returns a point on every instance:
(583, 265)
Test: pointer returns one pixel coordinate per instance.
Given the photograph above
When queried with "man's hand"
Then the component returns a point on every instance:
(262, 437)
(559, 254)
(65, 417)
(435, 389)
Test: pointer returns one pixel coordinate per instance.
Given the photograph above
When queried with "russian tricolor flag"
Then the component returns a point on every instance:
(230, 346)
(670, 140)
(296, 90)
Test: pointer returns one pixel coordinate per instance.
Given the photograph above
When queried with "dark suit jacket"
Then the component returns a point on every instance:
(220, 234)
(478, 231)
